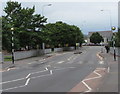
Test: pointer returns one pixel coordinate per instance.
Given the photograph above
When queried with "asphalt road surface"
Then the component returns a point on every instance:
(60, 73)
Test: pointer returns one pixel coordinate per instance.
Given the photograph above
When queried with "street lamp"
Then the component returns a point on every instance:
(109, 18)
(113, 28)
(44, 7)
(43, 44)
(12, 29)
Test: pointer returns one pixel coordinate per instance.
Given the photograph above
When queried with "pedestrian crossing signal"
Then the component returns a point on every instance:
(113, 28)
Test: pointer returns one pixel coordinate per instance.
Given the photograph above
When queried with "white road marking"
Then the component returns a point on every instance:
(108, 69)
(100, 68)
(23, 78)
(89, 89)
(40, 76)
(61, 62)
(39, 71)
(8, 69)
(12, 81)
(32, 62)
(70, 57)
(101, 62)
(27, 81)
(64, 68)
(51, 72)
(13, 88)
(46, 68)
(28, 75)
(99, 76)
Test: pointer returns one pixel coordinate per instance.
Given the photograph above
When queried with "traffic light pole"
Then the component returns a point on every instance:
(113, 28)
(114, 48)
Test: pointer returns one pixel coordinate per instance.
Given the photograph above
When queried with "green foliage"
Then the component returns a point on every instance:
(117, 38)
(60, 33)
(25, 24)
(96, 38)
(30, 32)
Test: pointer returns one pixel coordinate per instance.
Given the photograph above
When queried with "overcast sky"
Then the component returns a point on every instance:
(86, 15)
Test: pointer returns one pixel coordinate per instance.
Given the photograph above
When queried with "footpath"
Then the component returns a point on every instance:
(8, 64)
(110, 82)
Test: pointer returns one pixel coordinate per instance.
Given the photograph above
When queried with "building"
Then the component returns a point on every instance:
(107, 36)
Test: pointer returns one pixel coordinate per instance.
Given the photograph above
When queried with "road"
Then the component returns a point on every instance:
(65, 72)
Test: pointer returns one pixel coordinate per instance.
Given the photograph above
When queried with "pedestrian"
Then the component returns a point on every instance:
(107, 48)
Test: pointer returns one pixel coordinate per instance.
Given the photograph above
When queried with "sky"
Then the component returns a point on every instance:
(87, 15)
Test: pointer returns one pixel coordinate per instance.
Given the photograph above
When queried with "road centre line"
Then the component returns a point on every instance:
(13, 88)
(29, 78)
(23, 78)
(41, 76)
(12, 81)
(39, 71)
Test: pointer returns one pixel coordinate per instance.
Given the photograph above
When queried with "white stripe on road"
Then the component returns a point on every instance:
(39, 71)
(41, 76)
(101, 62)
(70, 57)
(99, 76)
(61, 62)
(12, 81)
(13, 88)
(51, 72)
(27, 81)
(108, 69)
(28, 75)
(89, 89)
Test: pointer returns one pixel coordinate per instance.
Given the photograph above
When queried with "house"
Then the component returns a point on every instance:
(107, 36)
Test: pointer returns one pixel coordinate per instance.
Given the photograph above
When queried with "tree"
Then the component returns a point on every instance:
(60, 33)
(117, 38)
(96, 38)
(25, 24)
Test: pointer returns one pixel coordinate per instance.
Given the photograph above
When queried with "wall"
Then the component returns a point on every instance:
(58, 49)
(26, 54)
(68, 48)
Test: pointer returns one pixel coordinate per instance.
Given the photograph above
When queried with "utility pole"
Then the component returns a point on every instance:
(12, 29)
(43, 44)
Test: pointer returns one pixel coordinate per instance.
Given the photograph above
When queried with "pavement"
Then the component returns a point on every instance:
(89, 71)
(110, 82)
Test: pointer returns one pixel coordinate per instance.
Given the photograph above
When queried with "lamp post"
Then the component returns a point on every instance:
(43, 44)
(12, 29)
(44, 7)
(109, 17)
(113, 28)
